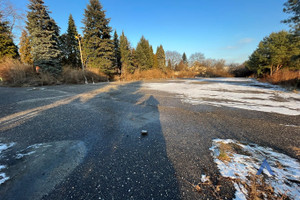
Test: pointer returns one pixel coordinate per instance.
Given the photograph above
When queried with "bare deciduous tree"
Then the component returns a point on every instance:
(15, 17)
(196, 57)
(174, 57)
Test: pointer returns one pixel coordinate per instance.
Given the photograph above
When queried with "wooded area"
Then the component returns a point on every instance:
(98, 55)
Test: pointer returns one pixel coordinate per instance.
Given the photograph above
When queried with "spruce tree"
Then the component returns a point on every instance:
(44, 37)
(7, 46)
(161, 57)
(184, 58)
(25, 48)
(117, 54)
(144, 54)
(69, 45)
(98, 46)
(126, 55)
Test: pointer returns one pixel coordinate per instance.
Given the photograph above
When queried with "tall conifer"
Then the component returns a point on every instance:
(117, 54)
(7, 46)
(126, 55)
(98, 46)
(25, 48)
(144, 54)
(69, 45)
(44, 37)
(161, 57)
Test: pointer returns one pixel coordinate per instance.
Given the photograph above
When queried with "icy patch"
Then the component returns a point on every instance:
(3, 178)
(33, 147)
(20, 155)
(204, 178)
(233, 92)
(289, 125)
(4, 147)
(244, 162)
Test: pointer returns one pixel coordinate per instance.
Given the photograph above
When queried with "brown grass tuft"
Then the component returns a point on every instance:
(15, 73)
(76, 76)
(147, 75)
(285, 77)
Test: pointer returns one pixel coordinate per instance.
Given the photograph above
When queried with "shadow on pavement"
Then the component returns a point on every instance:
(120, 163)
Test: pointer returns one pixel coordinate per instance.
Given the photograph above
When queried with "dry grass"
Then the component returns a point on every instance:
(147, 75)
(285, 77)
(225, 150)
(15, 73)
(258, 189)
(296, 150)
(156, 74)
(76, 76)
(185, 74)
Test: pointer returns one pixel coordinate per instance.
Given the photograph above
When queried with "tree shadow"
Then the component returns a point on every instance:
(120, 162)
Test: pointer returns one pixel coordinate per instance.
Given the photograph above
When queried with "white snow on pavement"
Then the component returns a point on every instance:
(4, 147)
(241, 93)
(246, 162)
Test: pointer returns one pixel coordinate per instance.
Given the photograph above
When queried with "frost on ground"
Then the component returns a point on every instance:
(4, 147)
(241, 93)
(240, 162)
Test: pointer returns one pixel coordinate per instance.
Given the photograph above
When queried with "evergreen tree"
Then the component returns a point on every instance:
(117, 54)
(25, 48)
(44, 37)
(293, 7)
(155, 61)
(98, 46)
(161, 57)
(126, 55)
(144, 54)
(184, 58)
(69, 45)
(169, 66)
(7, 46)
(275, 52)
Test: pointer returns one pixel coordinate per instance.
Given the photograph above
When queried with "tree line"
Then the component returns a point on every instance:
(42, 45)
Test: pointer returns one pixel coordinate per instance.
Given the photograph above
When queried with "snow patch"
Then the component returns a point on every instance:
(4, 147)
(233, 92)
(245, 162)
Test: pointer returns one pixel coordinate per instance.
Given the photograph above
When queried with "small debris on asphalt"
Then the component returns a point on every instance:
(144, 132)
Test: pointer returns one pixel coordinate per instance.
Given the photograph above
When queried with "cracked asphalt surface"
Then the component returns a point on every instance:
(91, 145)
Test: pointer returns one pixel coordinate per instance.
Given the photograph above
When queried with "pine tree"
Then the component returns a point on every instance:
(184, 58)
(7, 46)
(293, 7)
(98, 46)
(69, 45)
(274, 52)
(144, 54)
(25, 48)
(126, 55)
(117, 54)
(161, 57)
(44, 37)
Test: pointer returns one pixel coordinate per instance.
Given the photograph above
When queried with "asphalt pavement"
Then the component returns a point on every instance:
(85, 142)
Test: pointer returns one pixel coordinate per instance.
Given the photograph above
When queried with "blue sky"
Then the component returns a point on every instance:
(228, 29)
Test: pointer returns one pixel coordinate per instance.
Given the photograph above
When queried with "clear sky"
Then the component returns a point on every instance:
(228, 29)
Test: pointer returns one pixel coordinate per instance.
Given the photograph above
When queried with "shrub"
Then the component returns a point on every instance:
(284, 77)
